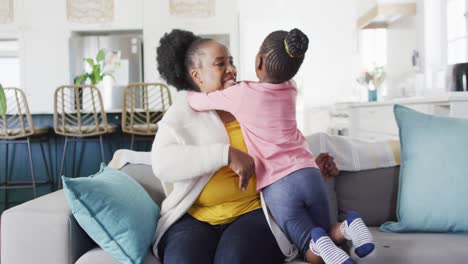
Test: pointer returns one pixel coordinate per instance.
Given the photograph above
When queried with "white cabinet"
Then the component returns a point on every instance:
(376, 121)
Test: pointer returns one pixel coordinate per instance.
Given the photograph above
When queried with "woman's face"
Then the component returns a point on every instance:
(214, 69)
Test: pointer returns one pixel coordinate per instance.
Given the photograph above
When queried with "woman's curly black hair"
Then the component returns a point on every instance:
(284, 53)
(175, 55)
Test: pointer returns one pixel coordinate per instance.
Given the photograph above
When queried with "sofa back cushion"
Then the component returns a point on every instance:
(433, 181)
(143, 174)
(372, 193)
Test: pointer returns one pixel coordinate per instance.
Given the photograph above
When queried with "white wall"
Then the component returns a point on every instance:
(363, 6)
(435, 46)
(403, 37)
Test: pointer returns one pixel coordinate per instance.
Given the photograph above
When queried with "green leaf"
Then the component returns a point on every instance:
(97, 73)
(100, 56)
(80, 79)
(3, 106)
(90, 62)
(110, 75)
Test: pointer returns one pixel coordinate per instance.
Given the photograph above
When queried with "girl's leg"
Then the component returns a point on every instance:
(299, 203)
(188, 241)
(248, 240)
(335, 234)
(321, 245)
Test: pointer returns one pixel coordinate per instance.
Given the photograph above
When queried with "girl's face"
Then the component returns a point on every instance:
(214, 69)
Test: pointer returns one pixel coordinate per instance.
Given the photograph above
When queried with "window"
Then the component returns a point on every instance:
(9, 63)
(457, 31)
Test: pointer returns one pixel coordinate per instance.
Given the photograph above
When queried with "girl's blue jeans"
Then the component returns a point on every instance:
(298, 203)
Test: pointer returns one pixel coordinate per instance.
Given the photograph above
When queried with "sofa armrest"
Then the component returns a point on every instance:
(42, 230)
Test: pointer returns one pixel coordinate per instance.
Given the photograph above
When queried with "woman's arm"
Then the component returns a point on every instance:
(172, 161)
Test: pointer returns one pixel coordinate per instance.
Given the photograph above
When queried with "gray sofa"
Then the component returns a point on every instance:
(44, 231)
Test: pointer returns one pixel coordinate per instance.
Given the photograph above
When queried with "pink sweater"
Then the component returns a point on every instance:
(267, 115)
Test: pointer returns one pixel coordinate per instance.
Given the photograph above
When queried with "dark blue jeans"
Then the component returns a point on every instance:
(246, 240)
(298, 203)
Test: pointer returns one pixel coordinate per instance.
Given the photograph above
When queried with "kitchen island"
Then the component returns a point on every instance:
(87, 157)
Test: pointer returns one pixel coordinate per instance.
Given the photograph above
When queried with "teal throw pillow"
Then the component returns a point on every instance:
(115, 211)
(433, 187)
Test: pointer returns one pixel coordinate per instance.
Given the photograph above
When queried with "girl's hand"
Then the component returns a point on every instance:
(243, 165)
(327, 165)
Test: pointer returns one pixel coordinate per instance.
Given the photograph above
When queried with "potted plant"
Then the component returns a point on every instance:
(2, 101)
(97, 73)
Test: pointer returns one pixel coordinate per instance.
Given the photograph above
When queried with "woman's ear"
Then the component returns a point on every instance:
(196, 76)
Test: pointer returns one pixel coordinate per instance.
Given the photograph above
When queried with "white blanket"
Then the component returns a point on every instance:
(353, 154)
(124, 156)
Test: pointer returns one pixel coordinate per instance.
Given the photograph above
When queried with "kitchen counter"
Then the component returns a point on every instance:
(429, 99)
(375, 120)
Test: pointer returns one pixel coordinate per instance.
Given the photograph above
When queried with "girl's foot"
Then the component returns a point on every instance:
(321, 245)
(355, 230)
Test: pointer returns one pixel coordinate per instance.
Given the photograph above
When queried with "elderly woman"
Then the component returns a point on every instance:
(213, 213)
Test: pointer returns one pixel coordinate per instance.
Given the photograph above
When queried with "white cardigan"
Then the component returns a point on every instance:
(188, 149)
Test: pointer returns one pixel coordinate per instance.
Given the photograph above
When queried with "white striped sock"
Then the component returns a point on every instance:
(330, 253)
(357, 231)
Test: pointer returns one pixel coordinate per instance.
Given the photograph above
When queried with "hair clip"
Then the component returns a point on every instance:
(286, 47)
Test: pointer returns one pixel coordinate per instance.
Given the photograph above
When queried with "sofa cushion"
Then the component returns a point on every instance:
(372, 193)
(115, 211)
(99, 256)
(416, 248)
(332, 201)
(432, 191)
(143, 174)
(391, 248)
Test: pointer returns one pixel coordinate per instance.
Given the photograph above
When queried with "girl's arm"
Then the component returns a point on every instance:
(173, 161)
(228, 100)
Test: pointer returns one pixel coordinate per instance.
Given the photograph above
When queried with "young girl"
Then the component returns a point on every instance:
(286, 172)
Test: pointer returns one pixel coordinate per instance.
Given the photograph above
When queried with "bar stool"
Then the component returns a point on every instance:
(79, 116)
(144, 104)
(16, 127)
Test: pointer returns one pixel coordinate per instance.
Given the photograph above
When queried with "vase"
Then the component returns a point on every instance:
(112, 96)
(372, 95)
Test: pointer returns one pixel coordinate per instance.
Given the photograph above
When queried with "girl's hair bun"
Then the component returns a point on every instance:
(296, 43)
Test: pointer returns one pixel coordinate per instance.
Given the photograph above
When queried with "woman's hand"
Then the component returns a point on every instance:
(327, 165)
(243, 165)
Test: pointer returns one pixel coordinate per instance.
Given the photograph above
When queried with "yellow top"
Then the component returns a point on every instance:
(222, 201)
